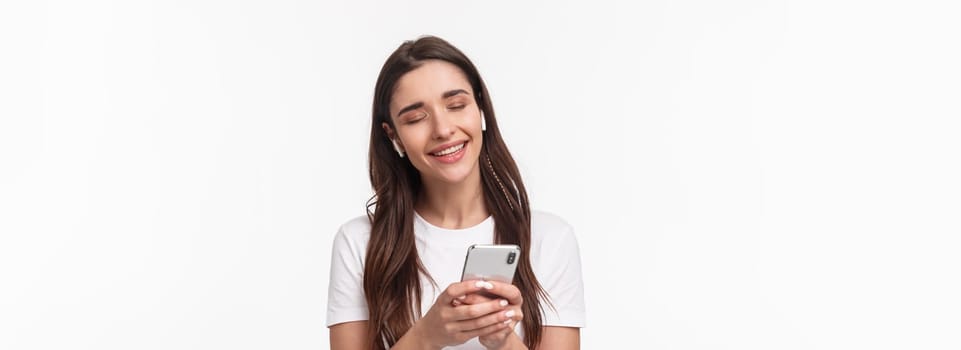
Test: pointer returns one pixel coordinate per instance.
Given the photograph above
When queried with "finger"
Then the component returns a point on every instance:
(505, 317)
(507, 291)
(518, 314)
(466, 312)
(476, 298)
(483, 331)
(455, 290)
(458, 300)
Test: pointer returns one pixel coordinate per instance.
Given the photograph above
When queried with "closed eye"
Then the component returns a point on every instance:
(415, 118)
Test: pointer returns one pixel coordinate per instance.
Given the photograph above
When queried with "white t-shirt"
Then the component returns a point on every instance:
(555, 260)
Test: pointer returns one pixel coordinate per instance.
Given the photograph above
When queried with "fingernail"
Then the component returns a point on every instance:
(507, 321)
(509, 313)
(488, 285)
(480, 284)
(462, 297)
(503, 302)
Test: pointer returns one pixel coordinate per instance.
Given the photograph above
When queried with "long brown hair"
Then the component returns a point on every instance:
(392, 267)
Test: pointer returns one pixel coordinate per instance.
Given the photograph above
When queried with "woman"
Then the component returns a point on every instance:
(444, 180)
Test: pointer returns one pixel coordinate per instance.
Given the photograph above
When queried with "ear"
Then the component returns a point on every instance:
(390, 133)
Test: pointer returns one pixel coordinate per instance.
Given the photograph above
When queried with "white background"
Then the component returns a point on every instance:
(740, 174)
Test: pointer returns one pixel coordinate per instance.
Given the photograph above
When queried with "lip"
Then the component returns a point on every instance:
(445, 146)
(453, 157)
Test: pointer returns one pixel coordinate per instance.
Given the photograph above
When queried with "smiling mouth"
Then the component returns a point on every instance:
(449, 150)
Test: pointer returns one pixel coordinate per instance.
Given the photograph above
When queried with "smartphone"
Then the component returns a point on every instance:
(487, 262)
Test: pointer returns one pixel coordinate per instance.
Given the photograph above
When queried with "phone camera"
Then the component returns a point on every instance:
(511, 257)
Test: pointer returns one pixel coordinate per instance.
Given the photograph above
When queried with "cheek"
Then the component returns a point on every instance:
(477, 133)
(414, 138)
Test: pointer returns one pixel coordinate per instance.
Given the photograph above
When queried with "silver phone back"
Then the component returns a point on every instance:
(491, 262)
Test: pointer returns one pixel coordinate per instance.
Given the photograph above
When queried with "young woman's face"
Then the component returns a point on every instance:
(437, 122)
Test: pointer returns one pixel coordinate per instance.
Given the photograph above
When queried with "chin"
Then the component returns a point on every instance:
(455, 176)
(452, 178)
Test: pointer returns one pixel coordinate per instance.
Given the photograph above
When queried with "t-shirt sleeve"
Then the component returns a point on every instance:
(345, 294)
(562, 281)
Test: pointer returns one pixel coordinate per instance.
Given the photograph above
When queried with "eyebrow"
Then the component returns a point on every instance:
(453, 93)
(417, 105)
(410, 108)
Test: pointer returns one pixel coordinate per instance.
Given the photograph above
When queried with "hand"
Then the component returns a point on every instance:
(446, 324)
(498, 339)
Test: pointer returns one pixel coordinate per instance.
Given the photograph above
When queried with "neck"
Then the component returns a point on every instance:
(453, 205)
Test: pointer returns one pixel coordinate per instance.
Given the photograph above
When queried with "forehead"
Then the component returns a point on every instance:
(427, 83)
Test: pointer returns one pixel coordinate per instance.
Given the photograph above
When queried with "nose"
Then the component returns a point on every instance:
(444, 126)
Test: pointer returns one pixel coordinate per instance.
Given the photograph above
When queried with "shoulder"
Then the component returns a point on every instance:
(358, 226)
(545, 222)
(354, 233)
(548, 227)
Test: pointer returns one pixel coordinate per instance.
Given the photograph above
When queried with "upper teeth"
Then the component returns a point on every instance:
(450, 150)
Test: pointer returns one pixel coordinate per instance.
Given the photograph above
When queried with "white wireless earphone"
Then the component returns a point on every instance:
(483, 122)
(400, 152)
